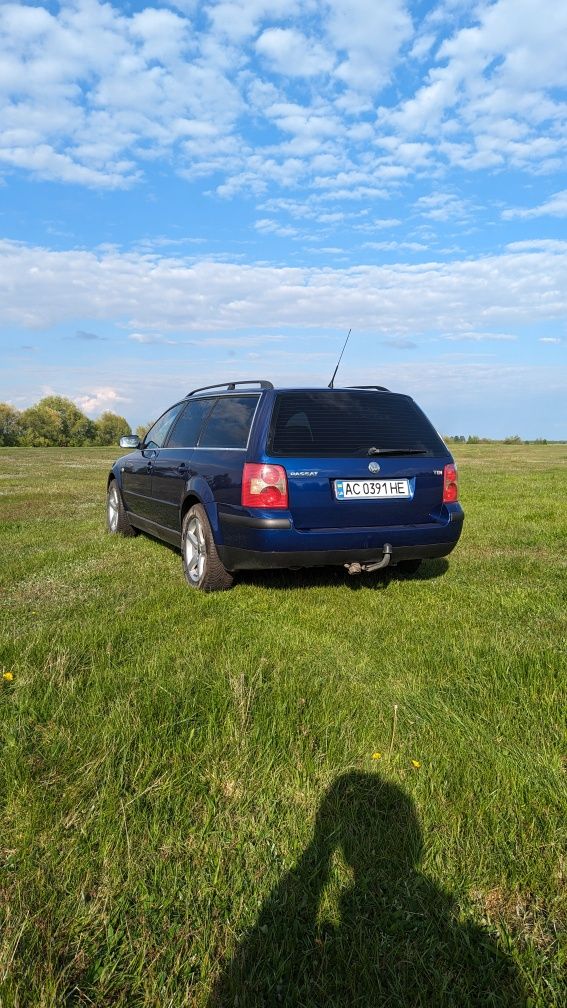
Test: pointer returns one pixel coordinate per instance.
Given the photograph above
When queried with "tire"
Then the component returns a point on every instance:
(407, 568)
(117, 521)
(201, 563)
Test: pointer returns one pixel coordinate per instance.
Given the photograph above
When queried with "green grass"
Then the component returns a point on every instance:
(191, 812)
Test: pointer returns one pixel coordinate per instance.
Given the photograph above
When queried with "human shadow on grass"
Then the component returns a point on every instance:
(398, 942)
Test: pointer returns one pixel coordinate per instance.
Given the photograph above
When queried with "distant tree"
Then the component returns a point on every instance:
(74, 423)
(83, 433)
(110, 427)
(58, 422)
(540, 440)
(513, 439)
(10, 426)
(142, 430)
(42, 427)
(55, 420)
(473, 439)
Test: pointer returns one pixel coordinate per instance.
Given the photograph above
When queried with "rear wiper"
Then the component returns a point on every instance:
(396, 451)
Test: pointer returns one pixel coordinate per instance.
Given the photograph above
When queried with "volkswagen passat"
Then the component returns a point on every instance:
(247, 476)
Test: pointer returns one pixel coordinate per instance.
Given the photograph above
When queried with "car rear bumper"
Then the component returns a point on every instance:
(260, 543)
(235, 558)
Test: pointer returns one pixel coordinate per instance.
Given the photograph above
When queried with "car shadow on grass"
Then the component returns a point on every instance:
(321, 577)
(397, 941)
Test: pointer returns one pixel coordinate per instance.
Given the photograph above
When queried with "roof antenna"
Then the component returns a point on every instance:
(330, 385)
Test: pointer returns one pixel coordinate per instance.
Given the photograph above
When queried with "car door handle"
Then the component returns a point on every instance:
(182, 468)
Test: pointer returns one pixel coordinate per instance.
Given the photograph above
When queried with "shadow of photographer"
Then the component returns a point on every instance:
(398, 943)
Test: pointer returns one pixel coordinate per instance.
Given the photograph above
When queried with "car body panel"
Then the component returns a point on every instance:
(135, 479)
(314, 504)
(170, 472)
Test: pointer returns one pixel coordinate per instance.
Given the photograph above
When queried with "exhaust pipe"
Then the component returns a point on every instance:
(357, 568)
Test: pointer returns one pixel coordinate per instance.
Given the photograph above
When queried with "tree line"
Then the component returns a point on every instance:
(475, 439)
(58, 422)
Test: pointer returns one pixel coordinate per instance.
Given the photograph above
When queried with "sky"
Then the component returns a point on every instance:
(205, 190)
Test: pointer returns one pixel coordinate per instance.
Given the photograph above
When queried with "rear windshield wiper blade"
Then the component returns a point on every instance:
(396, 451)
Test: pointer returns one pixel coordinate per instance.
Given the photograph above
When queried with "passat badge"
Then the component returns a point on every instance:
(374, 467)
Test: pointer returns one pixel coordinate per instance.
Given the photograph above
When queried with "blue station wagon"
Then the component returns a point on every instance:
(246, 476)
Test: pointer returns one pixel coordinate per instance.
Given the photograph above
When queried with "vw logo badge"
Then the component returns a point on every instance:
(374, 467)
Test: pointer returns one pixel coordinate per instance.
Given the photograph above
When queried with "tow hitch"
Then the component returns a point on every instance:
(357, 568)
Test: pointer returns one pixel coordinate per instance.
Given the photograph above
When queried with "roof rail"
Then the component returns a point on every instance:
(378, 388)
(230, 386)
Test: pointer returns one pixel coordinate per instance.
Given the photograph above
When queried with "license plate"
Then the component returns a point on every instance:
(371, 489)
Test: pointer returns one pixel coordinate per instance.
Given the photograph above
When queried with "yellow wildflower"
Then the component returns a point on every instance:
(376, 755)
(8, 676)
(415, 763)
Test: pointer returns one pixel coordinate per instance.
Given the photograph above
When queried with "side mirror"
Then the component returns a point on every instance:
(130, 441)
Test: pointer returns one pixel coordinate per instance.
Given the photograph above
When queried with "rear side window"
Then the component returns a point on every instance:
(228, 425)
(186, 431)
(349, 423)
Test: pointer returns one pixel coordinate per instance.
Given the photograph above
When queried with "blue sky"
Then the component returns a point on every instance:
(197, 191)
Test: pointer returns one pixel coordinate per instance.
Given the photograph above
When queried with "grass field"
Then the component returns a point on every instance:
(194, 809)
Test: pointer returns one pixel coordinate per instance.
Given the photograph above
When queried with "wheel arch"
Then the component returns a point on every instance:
(198, 491)
(188, 502)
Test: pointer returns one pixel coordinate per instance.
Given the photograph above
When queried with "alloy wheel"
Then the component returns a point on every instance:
(113, 509)
(195, 549)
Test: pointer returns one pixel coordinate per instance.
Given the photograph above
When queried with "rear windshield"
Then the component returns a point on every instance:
(350, 423)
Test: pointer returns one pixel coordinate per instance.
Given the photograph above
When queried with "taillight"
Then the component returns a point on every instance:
(450, 484)
(264, 485)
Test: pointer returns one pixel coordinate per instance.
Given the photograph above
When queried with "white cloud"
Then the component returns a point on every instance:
(150, 339)
(44, 161)
(100, 399)
(161, 32)
(156, 295)
(92, 92)
(491, 99)
(555, 206)
(422, 46)
(400, 343)
(239, 19)
(268, 226)
(480, 337)
(387, 246)
(537, 245)
(550, 339)
(377, 224)
(370, 35)
(291, 53)
(440, 206)
(87, 91)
